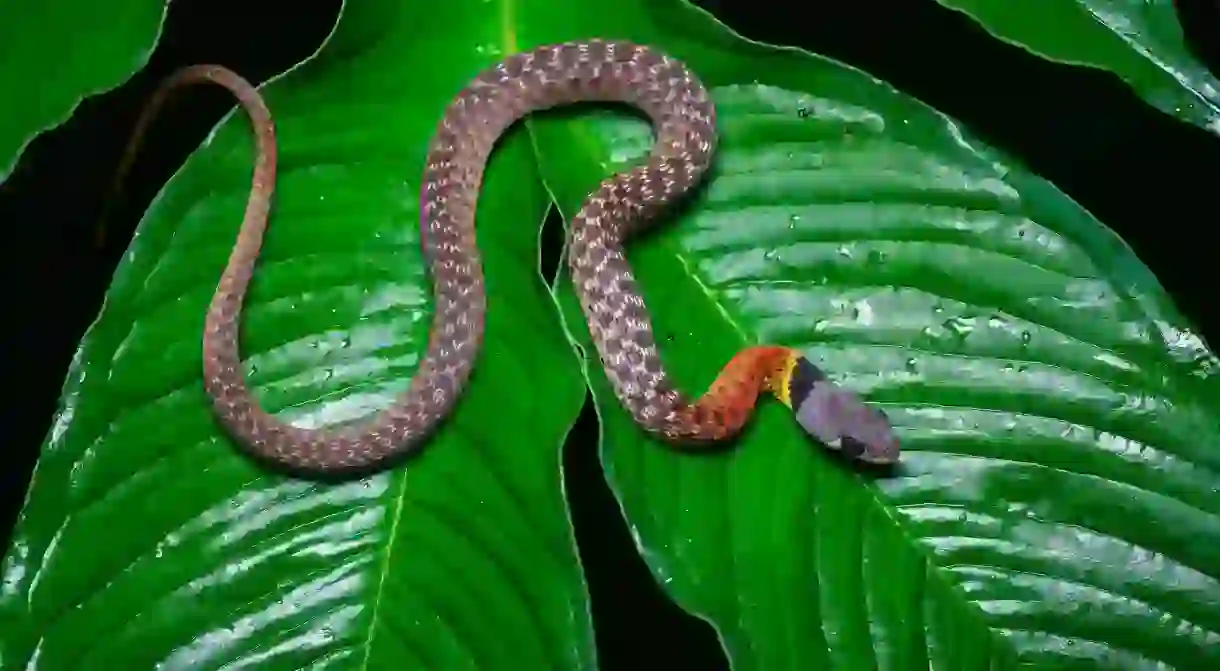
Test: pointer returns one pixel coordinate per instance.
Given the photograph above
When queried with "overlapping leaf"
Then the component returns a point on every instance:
(149, 541)
(1141, 41)
(1057, 411)
(1063, 447)
(44, 81)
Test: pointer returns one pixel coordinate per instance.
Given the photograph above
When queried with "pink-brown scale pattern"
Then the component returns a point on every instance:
(595, 70)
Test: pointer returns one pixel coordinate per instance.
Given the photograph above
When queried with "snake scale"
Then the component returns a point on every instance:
(683, 118)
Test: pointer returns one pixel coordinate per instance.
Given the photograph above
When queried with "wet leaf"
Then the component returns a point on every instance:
(149, 541)
(47, 81)
(1058, 414)
(1140, 41)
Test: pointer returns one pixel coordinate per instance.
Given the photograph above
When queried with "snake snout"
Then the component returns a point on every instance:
(880, 450)
(870, 438)
(843, 422)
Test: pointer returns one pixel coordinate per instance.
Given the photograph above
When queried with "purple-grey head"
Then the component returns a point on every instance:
(844, 422)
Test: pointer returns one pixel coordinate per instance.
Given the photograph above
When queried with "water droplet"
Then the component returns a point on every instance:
(1026, 337)
(912, 366)
(793, 220)
(959, 326)
(877, 257)
(771, 255)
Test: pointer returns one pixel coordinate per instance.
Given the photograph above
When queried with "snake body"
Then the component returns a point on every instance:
(596, 70)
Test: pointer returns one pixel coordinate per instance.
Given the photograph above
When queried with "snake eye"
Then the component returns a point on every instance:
(852, 447)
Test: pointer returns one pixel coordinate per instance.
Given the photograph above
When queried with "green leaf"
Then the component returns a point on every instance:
(149, 541)
(1058, 414)
(49, 81)
(1141, 41)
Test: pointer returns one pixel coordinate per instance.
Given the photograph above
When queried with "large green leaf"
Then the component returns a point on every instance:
(1056, 409)
(148, 541)
(1059, 414)
(1141, 41)
(49, 80)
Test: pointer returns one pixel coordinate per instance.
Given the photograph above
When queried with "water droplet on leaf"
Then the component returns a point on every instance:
(959, 326)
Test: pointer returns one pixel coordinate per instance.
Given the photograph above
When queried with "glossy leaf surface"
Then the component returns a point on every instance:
(44, 81)
(1058, 414)
(149, 541)
(1140, 41)
(1057, 411)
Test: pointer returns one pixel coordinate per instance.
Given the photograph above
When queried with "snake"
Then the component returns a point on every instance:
(683, 118)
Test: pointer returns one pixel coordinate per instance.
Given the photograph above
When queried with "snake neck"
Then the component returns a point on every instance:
(723, 410)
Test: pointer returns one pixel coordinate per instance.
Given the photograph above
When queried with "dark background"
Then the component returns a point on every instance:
(1141, 172)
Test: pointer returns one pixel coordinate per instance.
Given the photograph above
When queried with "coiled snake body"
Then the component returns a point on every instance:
(594, 70)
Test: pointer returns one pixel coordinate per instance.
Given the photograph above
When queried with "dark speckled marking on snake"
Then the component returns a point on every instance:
(596, 70)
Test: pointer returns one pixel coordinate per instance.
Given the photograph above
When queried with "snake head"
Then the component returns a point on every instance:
(844, 422)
